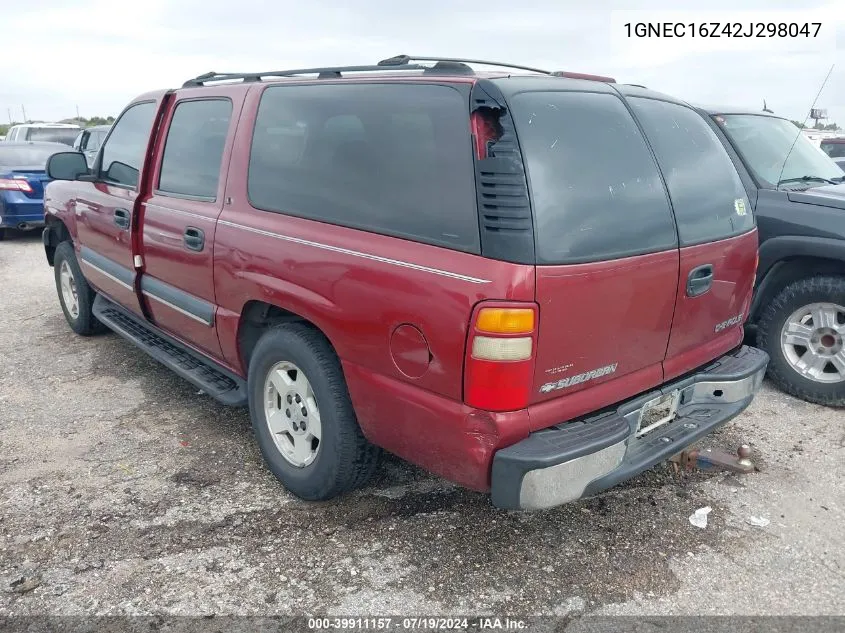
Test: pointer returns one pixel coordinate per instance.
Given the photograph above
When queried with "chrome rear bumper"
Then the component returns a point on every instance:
(582, 457)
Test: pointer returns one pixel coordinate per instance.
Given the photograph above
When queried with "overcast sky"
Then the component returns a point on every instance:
(99, 54)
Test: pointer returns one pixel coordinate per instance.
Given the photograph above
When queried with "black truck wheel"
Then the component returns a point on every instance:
(802, 330)
(302, 415)
(75, 295)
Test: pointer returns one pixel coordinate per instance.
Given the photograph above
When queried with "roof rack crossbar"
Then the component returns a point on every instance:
(407, 59)
(327, 72)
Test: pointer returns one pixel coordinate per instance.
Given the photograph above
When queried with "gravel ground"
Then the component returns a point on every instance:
(124, 491)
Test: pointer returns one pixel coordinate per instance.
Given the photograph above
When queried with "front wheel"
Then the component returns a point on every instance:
(75, 295)
(803, 331)
(302, 415)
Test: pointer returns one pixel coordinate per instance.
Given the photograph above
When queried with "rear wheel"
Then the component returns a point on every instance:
(803, 331)
(302, 415)
(2, 234)
(75, 295)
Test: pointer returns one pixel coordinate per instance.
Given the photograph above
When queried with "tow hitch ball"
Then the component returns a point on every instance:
(714, 458)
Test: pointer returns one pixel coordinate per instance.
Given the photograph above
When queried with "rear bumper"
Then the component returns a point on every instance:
(581, 458)
(24, 214)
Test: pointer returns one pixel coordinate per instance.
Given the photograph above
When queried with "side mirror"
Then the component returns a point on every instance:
(67, 166)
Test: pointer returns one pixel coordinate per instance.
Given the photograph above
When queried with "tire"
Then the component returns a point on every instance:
(799, 297)
(342, 459)
(81, 319)
(2, 234)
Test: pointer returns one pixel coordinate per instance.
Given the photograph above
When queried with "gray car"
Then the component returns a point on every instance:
(89, 140)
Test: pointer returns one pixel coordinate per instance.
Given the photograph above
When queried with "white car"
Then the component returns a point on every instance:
(48, 132)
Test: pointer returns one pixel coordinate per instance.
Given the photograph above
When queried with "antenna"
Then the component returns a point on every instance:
(797, 136)
(765, 108)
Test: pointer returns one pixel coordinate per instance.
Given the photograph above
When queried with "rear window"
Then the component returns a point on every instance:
(595, 188)
(392, 159)
(707, 195)
(834, 150)
(52, 134)
(26, 156)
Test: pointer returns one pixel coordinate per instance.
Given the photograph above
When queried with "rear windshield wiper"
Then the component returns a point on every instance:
(807, 179)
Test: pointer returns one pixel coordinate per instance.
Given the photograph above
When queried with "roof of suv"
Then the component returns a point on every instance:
(510, 78)
(394, 68)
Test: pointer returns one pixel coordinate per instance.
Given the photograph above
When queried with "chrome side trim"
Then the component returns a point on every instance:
(180, 212)
(146, 293)
(105, 274)
(346, 251)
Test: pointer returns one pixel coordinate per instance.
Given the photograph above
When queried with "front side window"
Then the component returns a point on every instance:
(193, 149)
(387, 158)
(764, 143)
(595, 189)
(707, 195)
(123, 155)
(95, 139)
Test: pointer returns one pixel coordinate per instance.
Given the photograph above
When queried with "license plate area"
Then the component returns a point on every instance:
(657, 412)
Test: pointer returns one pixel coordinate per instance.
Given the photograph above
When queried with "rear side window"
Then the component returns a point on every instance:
(388, 158)
(193, 149)
(123, 154)
(707, 195)
(595, 188)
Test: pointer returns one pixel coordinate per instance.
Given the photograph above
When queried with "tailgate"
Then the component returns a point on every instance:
(604, 321)
(606, 252)
(718, 240)
(708, 325)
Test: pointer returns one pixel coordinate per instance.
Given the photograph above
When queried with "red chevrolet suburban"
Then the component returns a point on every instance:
(530, 283)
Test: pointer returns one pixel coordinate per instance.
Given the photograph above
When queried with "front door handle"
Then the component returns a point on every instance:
(194, 239)
(121, 218)
(700, 280)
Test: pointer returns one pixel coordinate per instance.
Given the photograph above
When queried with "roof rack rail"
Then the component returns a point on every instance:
(330, 72)
(400, 60)
(443, 65)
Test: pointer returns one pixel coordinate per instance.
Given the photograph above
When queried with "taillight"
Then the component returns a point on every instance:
(15, 184)
(485, 128)
(499, 367)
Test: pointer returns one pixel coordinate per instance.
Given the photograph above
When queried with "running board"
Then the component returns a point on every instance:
(216, 381)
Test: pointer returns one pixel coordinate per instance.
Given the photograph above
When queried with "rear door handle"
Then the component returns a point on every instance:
(700, 280)
(194, 239)
(121, 218)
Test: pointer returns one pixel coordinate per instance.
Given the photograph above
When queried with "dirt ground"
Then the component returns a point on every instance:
(124, 491)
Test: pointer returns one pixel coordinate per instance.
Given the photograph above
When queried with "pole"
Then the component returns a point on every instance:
(24, 113)
(9, 112)
(78, 118)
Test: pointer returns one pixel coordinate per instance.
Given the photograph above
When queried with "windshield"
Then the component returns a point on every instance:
(26, 156)
(764, 142)
(52, 134)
